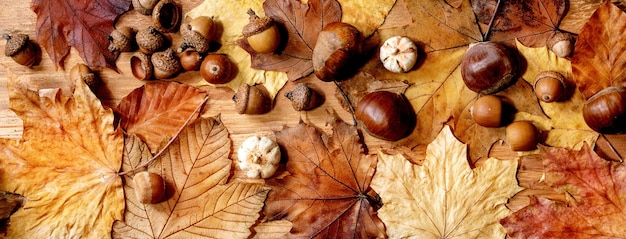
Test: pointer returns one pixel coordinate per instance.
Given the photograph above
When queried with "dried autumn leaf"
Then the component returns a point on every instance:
(327, 193)
(444, 198)
(9, 203)
(200, 203)
(65, 165)
(598, 60)
(158, 109)
(84, 25)
(597, 188)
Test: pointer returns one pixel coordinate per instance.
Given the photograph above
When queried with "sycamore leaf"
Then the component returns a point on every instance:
(195, 168)
(158, 109)
(444, 197)
(597, 188)
(65, 165)
(84, 25)
(598, 60)
(327, 193)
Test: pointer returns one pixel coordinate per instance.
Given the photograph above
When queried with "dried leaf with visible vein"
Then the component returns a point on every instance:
(200, 203)
(65, 165)
(444, 197)
(597, 187)
(598, 60)
(157, 110)
(327, 193)
(84, 25)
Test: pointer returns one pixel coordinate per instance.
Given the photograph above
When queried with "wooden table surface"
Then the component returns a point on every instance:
(20, 18)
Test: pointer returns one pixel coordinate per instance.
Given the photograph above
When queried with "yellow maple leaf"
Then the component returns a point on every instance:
(65, 165)
(444, 198)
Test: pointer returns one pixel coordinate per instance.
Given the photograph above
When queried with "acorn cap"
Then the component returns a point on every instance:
(257, 24)
(193, 39)
(121, 40)
(303, 98)
(141, 66)
(150, 40)
(15, 43)
(165, 63)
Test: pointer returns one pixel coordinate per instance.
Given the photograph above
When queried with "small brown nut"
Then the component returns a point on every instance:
(149, 187)
(216, 69)
(197, 34)
(522, 135)
(487, 111)
(20, 49)
(386, 115)
(261, 33)
(166, 16)
(122, 40)
(83, 72)
(252, 100)
(304, 98)
(605, 112)
(150, 40)
(190, 60)
(258, 157)
(489, 67)
(165, 64)
(144, 7)
(337, 46)
(549, 86)
(561, 44)
(141, 66)
(398, 54)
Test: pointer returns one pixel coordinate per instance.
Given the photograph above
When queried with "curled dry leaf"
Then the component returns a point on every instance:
(596, 187)
(65, 165)
(158, 109)
(200, 203)
(327, 193)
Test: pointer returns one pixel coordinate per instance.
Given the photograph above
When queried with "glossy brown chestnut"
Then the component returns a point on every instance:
(149, 187)
(216, 68)
(489, 67)
(335, 51)
(386, 115)
(605, 112)
(190, 60)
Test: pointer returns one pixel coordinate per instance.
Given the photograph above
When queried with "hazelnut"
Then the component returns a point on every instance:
(144, 7)
(166, 16)
(150, 40)
(165, 64)
(216, 69)
(252, 100)
(605, 112)
(522, 135)
(258, 157)
(304, 98)
(83, 72)
(20, 49)
(489, 67)
(141, 66)
(149, 187)
(549, 86)
(398, 54)
(561, 44)
(337, 46)
(121, 40)
(197, 34)
(386, 115)
(487, 111)
(190, 60)
(261, 33)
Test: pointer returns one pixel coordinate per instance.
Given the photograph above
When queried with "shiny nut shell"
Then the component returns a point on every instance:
(489, 67)
(216, 69)
(605, 112)
(549, 86)
(190, 60)
(149, 187)
(335, 50)
(522, 135)
(487, 111)
(386, 115)
(252, 100)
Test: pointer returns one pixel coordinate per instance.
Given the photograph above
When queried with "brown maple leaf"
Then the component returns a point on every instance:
(158, 109)
(596, 188)
(84, 25)
(327, 193)
(199, 203)
(302, 23)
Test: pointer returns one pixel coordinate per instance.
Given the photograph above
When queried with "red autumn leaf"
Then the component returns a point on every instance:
(158, 110)
(84, 25)
(327, 194)
(302, 23)
(598, 60)
(597, 187)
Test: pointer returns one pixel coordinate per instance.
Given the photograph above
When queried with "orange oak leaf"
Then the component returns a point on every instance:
(596, 188)
(327, 193)
(158, 109)
(598, 60)
(66, 165)
(84, 25)
(199, 202)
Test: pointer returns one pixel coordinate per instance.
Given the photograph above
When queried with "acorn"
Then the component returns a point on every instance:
(549, 86)
(83, 72)
(522, 135)
(190, 60)
(304, 98)
(487, 111)
(121, 40)
(20, 49)
(144, 7)
(605, 112)
(561, 44)
(165, 64)
(166, 16)
(216, 69)
(149, 187)
(197, 34)
(386, 115)
(337, 46)
(141, 66)
(489, 67)
(252, 100)
(261, 33)
(150, 40)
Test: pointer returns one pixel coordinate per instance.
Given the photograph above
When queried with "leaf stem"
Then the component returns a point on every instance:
(347, 99)
(174, 137)
(493, 17)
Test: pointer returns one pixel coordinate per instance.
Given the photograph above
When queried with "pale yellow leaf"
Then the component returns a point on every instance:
(272, 229)
(444, 198)
(367, 21)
